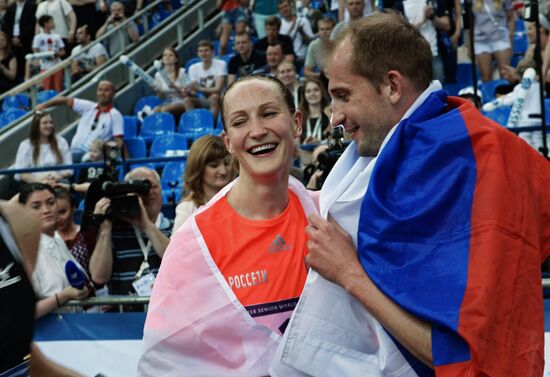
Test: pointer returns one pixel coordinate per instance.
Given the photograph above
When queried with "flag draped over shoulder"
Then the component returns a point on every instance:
(195, 324)
(454, 227)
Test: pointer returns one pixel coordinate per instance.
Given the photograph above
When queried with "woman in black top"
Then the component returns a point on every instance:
(8, 64)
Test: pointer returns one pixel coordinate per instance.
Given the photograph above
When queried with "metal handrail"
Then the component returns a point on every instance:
(68, 60)
(110, 300)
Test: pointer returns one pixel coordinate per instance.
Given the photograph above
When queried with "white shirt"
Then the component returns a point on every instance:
(171, 94)
(59, 10)
(88, 58)
(48, 42)
(108, 125)
(414, 11)
(49, 276)
(207, 77)
(292, 30)
(16, 23)
(183, 210)
(46, 157)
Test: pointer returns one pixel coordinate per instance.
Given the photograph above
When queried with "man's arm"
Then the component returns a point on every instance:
(231, 78)
(333, 255)
(55, 102)
(99, 60)
(101, 262)
(133, 33)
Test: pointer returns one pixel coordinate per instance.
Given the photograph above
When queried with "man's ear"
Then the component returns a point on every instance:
(394, 88)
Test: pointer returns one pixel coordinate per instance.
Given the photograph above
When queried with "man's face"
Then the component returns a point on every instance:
(284, 9)
(205, 53)
(242, 44)
(274, 56)
(105, 93)
(287, 74)
(324, 29)
(365, 113)
(153, 200)
(271, 32)
(81, 36)
(117, 11)
(355, 8)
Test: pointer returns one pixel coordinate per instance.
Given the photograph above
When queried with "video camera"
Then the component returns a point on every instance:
(328, 158)
(107, 185)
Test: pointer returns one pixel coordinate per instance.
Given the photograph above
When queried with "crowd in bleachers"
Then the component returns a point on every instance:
(279, 38)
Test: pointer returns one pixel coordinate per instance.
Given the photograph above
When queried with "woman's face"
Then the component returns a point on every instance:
(44, 204)
(312, 93)
(46, 126)
(64, 213)
(168, 57)
(216, 174)
(260, 129)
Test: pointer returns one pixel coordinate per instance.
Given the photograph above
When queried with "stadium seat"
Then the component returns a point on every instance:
(500, 114)
(190, 62)
(9, 116)
(136, 147)
(196, 123)
(520, 43)
(167, 145)
(130, 126)
(151, 101)
(45, 95)
(453, 89)
(159, 15)
(547, 111)
(157, 124)
(171, 197)
(172, 181)
(488, 89)
(464, 73)
(17, 102)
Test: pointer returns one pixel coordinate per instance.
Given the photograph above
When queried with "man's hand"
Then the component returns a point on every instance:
(142, 221)
(331, 251)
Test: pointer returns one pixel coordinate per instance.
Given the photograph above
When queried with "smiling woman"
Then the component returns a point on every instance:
(244, 250)
(43, 148)
(48, 278)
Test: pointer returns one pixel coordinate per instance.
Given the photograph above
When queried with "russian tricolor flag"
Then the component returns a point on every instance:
(454, 227)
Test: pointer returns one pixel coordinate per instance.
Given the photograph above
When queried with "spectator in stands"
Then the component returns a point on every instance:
(355, 9)
(130, 32)
(87, 175)
(233, 18)
(244, 250)
(315, 108)
(64, 18)
(429, 19)
(113, 260)
(314, 62)
(263, 9)
(3, 8)
(66, 229)
(494, 31)
(342, 13)
(174, 92)
(247, 59)
(97, 120)
(86, 62)
(8, 64)
(21, 33)
(298, 28)
(19, 240)
(47, 41)
(286, 72)
(272, 26)
(207, 171)
(510, 73)
(208, 77)
(274, 57)
(43, 148)
(49, 280)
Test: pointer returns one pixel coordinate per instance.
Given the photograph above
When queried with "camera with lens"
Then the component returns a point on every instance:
(327, 159)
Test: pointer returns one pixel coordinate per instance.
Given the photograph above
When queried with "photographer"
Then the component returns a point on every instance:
(117, 17)
(114, 259)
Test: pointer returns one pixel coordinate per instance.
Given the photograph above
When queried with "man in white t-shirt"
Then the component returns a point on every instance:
(88, 60)
(63, 15)
(207, 77)
(297, 28)
(97, 120)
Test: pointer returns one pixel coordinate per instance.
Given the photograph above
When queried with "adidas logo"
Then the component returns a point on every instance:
(278, 244)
